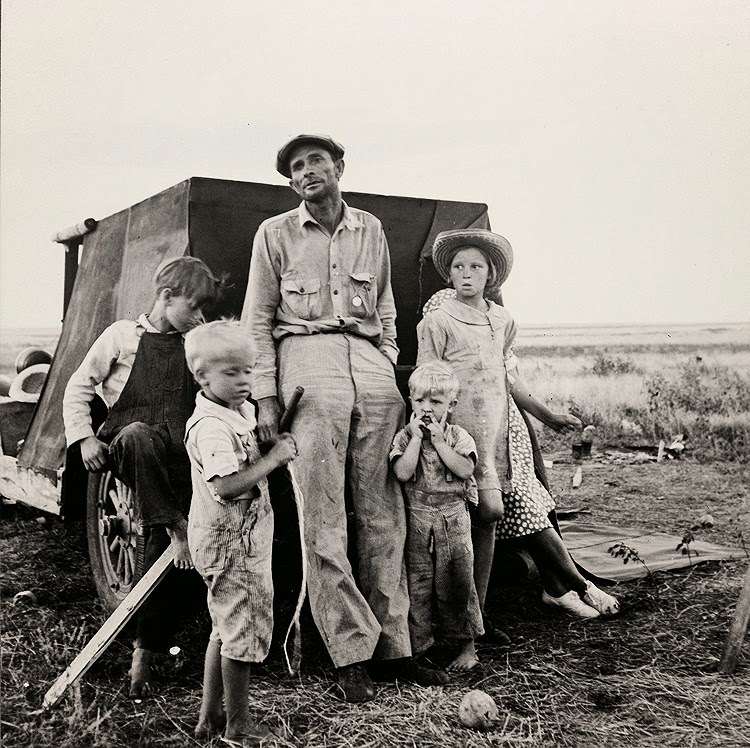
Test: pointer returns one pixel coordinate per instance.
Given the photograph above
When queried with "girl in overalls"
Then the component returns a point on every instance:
(475, 335)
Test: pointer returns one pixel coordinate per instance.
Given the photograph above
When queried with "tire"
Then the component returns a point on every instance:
(116, 548)
(30, 356)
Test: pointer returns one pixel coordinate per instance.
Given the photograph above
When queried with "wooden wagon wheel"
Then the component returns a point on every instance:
(115, 545)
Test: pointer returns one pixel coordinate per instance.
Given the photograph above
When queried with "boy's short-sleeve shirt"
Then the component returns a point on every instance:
(219, 442)
(458, 439)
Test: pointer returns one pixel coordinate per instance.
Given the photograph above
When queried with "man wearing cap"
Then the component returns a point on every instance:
(320, 307)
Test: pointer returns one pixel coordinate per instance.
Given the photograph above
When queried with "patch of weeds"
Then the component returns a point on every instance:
(709, 404)
(607, 366)
(627, 553)
(684, 546)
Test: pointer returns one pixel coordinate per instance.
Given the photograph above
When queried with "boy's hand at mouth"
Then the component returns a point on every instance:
(433, 431)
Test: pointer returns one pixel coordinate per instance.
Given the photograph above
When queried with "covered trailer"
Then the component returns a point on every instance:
(108, 276)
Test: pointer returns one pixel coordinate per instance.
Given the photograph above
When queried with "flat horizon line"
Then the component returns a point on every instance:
(522, 326)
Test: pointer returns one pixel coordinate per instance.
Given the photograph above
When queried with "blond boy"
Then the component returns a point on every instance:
(435, 461)
(230, 530)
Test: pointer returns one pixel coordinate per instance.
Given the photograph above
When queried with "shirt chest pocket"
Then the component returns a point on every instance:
(300, 297)
(364, 294)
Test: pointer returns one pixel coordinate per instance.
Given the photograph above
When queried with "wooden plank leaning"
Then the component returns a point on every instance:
(112, 626)
(737, 630)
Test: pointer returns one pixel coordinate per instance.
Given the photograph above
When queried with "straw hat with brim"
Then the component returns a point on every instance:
(27, 385)
(496, 247)
(282, 158)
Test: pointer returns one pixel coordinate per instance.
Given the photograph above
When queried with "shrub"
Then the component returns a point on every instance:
(606, 366)
(709, 404)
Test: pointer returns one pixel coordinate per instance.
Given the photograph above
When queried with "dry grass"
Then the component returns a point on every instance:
(638, 386)
(642, 679)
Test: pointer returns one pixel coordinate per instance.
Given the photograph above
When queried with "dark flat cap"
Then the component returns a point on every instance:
(282, 158)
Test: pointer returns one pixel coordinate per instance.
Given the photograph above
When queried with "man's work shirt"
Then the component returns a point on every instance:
(304, 281)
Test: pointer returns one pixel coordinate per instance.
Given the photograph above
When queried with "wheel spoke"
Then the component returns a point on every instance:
(120, 562)
(127, 576)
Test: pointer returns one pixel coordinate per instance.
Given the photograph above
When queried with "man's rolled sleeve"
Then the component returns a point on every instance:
(259, 313)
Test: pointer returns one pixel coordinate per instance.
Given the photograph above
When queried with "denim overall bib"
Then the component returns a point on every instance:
(145, 430)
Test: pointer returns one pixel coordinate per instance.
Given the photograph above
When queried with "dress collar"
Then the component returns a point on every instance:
(494, 316)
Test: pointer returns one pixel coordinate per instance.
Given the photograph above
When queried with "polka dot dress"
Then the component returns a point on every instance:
(527, 507)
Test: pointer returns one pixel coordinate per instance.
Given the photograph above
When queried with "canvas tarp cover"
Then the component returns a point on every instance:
(216, 220)
(657, 551)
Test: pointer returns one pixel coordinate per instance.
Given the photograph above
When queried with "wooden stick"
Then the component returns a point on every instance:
(112, 626)
(737, 630)
(288, 416)
(577, 477)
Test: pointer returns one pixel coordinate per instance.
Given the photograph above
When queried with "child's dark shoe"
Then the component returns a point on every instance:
(408, 670)
(493, 635)
(355, 683)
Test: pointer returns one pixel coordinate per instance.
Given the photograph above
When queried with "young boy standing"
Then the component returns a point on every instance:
(139, 368)
(435, 461)
(230, 530)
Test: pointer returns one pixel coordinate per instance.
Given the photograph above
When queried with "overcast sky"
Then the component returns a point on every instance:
(610, 140)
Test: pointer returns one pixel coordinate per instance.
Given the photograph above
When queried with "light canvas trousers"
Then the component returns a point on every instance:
(344, 427)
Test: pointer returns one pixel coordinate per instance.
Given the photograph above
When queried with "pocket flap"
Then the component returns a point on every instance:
(301, 285)
(363, 277)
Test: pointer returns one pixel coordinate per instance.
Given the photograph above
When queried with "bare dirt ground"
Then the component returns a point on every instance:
(646, 678)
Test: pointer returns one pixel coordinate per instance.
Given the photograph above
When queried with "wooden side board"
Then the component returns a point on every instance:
(29, 487)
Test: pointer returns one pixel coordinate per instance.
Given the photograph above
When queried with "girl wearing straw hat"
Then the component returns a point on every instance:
(475, 335)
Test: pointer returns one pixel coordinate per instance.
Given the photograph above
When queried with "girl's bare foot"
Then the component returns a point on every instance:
(178, 540)
(140, 674)
(466, 659)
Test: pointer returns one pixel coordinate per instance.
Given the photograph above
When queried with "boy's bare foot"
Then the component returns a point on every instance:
(210, 726)
(177, 532)
(140, 674)
(466, 659)
(252, 737)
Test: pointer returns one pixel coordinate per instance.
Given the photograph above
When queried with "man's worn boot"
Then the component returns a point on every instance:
(355, 683)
